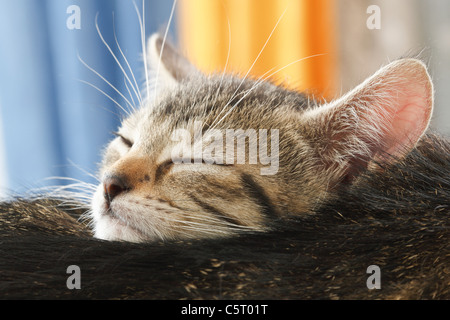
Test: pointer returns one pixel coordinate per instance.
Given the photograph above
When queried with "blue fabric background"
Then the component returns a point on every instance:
(54, 124)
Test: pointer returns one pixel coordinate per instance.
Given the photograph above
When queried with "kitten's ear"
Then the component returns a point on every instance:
(166, 63)
(381, 120)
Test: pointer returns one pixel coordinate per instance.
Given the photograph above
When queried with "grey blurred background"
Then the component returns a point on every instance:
(408, 28)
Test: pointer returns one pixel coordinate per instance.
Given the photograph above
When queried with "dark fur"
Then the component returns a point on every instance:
(398, 219)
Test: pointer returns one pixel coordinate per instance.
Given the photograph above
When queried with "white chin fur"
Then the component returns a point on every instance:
(108, 228)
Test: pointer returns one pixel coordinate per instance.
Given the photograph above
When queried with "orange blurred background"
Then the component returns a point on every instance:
(291, 41)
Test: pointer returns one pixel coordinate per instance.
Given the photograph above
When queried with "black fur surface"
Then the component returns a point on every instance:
(397, 218)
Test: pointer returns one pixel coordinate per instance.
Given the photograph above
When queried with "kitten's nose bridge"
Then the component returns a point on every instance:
(125, 175)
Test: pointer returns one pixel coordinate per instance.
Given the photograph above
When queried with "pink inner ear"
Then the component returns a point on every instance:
(410, 117)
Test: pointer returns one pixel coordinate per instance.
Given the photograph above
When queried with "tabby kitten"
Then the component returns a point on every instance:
(154, 187)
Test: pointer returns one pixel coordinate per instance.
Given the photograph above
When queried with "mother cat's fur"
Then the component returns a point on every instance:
(398, 220)
(378, 194)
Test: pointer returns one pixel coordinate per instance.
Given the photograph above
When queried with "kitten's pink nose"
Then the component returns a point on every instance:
(112, 187)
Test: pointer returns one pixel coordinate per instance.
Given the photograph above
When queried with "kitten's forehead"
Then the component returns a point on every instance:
(223, 102)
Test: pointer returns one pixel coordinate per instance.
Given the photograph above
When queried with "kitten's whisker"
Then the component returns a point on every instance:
(107, 82)
(106, 95)
(289, 64)
(228, 56)
(263, 78)
(144, 38)
(77, 182)
(74, 186)
(215, 220)
(129, 92)
(185, 231)
(205, 230)
(162, 47)
(77, 194)
(70, 192)
(265, 44)
(185, 225)
(84, 171)
(202, 221)
(86, 218)
(155, 230)
(254, 62)
(135, 87)
(141, 20)
(257, 83)
(117, 61)
(118, 115)
(209, 229)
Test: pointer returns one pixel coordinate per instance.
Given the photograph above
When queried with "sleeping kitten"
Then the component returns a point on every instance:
(333, 189)
(156, 185)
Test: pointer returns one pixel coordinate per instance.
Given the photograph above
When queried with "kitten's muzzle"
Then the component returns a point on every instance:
(112, 187)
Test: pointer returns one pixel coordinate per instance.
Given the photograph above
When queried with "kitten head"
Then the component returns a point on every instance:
(215, 155)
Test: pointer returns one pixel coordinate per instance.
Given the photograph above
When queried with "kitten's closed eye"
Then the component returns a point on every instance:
(163, 169)
(199, 161)
(126, 141)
